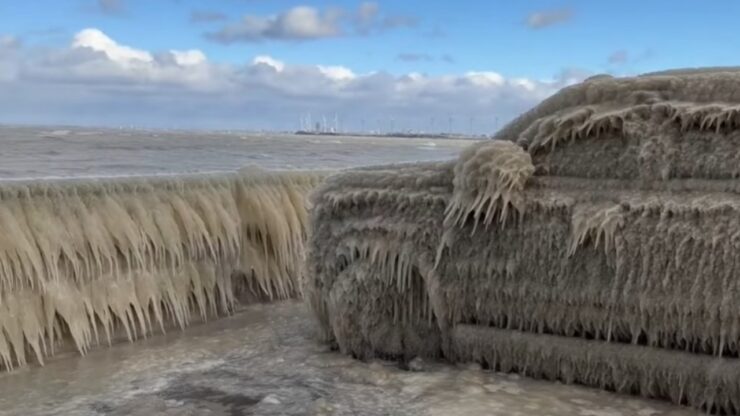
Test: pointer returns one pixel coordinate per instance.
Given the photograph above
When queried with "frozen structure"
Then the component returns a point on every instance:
(84, 261)
(596, 240)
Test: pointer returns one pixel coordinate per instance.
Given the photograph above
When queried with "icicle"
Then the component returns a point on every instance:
(598, 223)
(79, 259)
(489, 177)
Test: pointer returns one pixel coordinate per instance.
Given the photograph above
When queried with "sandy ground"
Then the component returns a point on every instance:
(265, 361)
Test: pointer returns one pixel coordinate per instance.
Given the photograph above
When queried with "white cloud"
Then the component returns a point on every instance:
(310, 23)
(297, 23)
(100, 42)
(189, 57)
(99, 80)
(525, 83)
(269, 61)
(337, 73)
(307, 22)
(485, 78)
(95, 61)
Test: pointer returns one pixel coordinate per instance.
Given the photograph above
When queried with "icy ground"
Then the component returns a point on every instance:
(265, 361)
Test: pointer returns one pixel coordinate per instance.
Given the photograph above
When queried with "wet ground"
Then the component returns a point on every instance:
(265, 361)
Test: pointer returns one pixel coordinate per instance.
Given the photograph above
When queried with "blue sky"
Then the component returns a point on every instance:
(534, 46)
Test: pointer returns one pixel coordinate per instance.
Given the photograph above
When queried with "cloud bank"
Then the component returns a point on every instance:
(97, 80)
(303, 23)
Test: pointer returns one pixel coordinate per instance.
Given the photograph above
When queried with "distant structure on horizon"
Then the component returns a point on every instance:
(332, 127)
(322, 127)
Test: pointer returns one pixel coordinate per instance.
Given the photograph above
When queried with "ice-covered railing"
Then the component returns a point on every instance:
(85, 259)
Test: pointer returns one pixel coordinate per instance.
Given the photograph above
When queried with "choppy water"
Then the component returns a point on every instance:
(33, 152)
(265, 361)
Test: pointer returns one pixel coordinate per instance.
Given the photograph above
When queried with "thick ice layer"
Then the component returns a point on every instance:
(84, 259)
(264, 360)
(624, 202)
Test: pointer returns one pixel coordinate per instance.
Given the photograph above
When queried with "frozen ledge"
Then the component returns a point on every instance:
(701, 381)
(83, 260)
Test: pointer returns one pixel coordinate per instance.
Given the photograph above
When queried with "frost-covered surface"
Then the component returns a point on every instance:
(108, 234)
(265, 360)
(84, 260)
(597, 244)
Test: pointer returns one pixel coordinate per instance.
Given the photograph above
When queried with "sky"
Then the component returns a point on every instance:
(382, 65)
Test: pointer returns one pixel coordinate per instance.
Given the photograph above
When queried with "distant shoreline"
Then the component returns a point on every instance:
(443, 136)
(406, 135)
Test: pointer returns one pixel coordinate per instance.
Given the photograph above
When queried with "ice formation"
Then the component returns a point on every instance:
(86, 259)
(594, 241)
